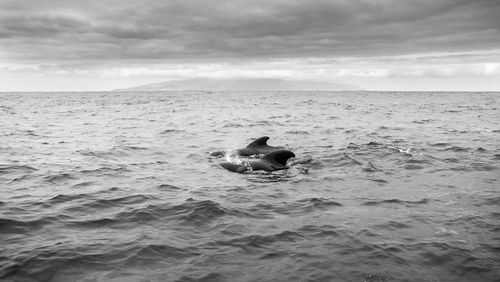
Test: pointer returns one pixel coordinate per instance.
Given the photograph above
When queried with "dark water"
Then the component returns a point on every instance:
(119, 187)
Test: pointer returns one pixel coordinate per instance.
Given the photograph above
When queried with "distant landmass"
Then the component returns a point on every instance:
(243, 85)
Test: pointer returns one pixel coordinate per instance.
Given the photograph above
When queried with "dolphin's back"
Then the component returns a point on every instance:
(259, 146)
(270, 162)
(277, 159)
(259, 142)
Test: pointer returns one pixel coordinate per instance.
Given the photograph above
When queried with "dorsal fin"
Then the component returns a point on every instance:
(279, 157)
(259, 142)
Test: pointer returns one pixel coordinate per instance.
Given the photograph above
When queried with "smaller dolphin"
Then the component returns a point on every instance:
(270, 162)
(257, 147)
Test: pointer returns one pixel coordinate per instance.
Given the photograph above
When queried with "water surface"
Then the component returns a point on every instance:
(112, 186)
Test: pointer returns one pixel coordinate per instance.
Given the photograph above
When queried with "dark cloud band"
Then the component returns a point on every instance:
(242, 29)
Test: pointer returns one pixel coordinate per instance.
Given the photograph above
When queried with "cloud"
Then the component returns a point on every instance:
(193, 31)
(436, 65)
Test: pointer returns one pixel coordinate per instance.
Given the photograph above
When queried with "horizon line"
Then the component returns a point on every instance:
(235, 90)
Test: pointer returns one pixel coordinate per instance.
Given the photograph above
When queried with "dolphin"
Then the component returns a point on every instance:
(272, 161)
(257, 147)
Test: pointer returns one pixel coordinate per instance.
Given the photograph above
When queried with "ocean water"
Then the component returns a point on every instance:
(111, 186)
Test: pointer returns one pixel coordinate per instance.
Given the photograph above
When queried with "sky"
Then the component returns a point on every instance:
(393, 45)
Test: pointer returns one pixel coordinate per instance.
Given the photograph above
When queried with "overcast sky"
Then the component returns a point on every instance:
(375, 44)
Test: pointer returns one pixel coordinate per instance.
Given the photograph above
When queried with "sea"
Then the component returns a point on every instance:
(121, 186)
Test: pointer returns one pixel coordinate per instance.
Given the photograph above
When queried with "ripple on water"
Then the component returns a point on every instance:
(324, 219)
(298, 132)
(94, 204)
(392, 225)
(59, 177)
(298, 207)
(171, 131)
(5, 168)
(254, 243)
(106, 170)
(13, 226)
(191, 212)
(168, 187)
(397, 202)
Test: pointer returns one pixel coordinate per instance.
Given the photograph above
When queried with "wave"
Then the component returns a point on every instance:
(92, 203)
(495, 200)
(134, 147)
(302, 206)
(113, 202)
(457, 149)
(444, 146)
(60, 177)
(191, 212)
(423, 121)
(383, 127)
(83, 184)
(168, 187)
(265, 123)
(396, 201)
(320, 231)
(41, 265)
(201, 212)
(318, 203)
(299, 132)
(247, 243)
(483, 167)
(21, 178)
(459, 258)
(29, 133)
(152, 252)
(413, 167)
(210, 277)
(371, 167)
(392, 225)
(66, 198)
(94, 223)
(107, 155)
(233, 125)
(16, 226)
(352, 159)
(439, 144)
(106, 170)
(5, 168)
(169, 131)
(265, 177)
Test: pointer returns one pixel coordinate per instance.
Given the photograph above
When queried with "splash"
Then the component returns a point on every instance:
(405, 150)
(233, 157)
